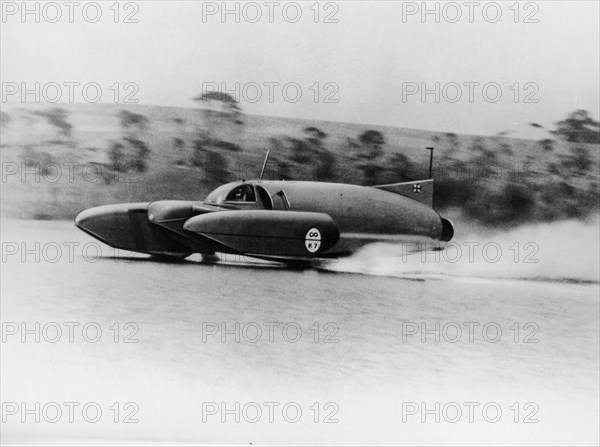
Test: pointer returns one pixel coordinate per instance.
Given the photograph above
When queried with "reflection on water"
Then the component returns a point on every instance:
(303, 337)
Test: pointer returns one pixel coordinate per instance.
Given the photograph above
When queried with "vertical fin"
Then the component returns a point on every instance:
(421, 190)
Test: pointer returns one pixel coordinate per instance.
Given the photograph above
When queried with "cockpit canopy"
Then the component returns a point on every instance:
(232, 193)
(243, 193)
(238, 193)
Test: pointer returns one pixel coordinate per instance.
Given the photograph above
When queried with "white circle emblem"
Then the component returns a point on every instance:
(313, 240)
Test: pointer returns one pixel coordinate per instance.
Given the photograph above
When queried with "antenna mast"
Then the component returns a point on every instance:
(262, 171)
(430, 149)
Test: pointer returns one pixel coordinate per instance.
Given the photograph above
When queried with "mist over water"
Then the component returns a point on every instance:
(558, 251)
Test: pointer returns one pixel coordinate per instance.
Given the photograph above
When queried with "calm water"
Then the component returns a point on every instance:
(369, 367)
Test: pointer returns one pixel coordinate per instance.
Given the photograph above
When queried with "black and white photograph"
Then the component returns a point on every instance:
(298, 223)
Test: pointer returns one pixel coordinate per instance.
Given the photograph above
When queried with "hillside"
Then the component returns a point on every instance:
(57, 163)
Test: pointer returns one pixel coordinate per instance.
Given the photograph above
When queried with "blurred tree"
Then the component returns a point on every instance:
(221, 102)
(235, 114)
(57, 117)
(128, 154)
(398, 169)
(216, 105)
(42, 161)
(371, 170)
(372, 141)
(133, 124)
(215, 166)
(453, 140)
(4, 119)
(325, 169)
(505, 149)
(516, 203)
(579, 127)
(178, 143)
(218, 97)
(578, 161)
(197, 158)
(352, 143)
(281, 170)
(301, 151)
(547, 144)
(140, 155)
(116, 157)
(315, 135)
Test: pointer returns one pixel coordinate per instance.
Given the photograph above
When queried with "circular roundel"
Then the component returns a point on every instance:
(313, 240)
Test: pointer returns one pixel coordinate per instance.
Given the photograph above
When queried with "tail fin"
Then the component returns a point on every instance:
(421, 190)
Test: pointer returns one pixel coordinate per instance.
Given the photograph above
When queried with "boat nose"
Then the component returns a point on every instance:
(126, 226)
(111, 224)
(85, 217)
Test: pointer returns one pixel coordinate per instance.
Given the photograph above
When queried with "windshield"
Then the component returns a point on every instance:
(243, 193)
(218, 195)
(225, 193)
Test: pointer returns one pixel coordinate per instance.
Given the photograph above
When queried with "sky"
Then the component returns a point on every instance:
(485, 68)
